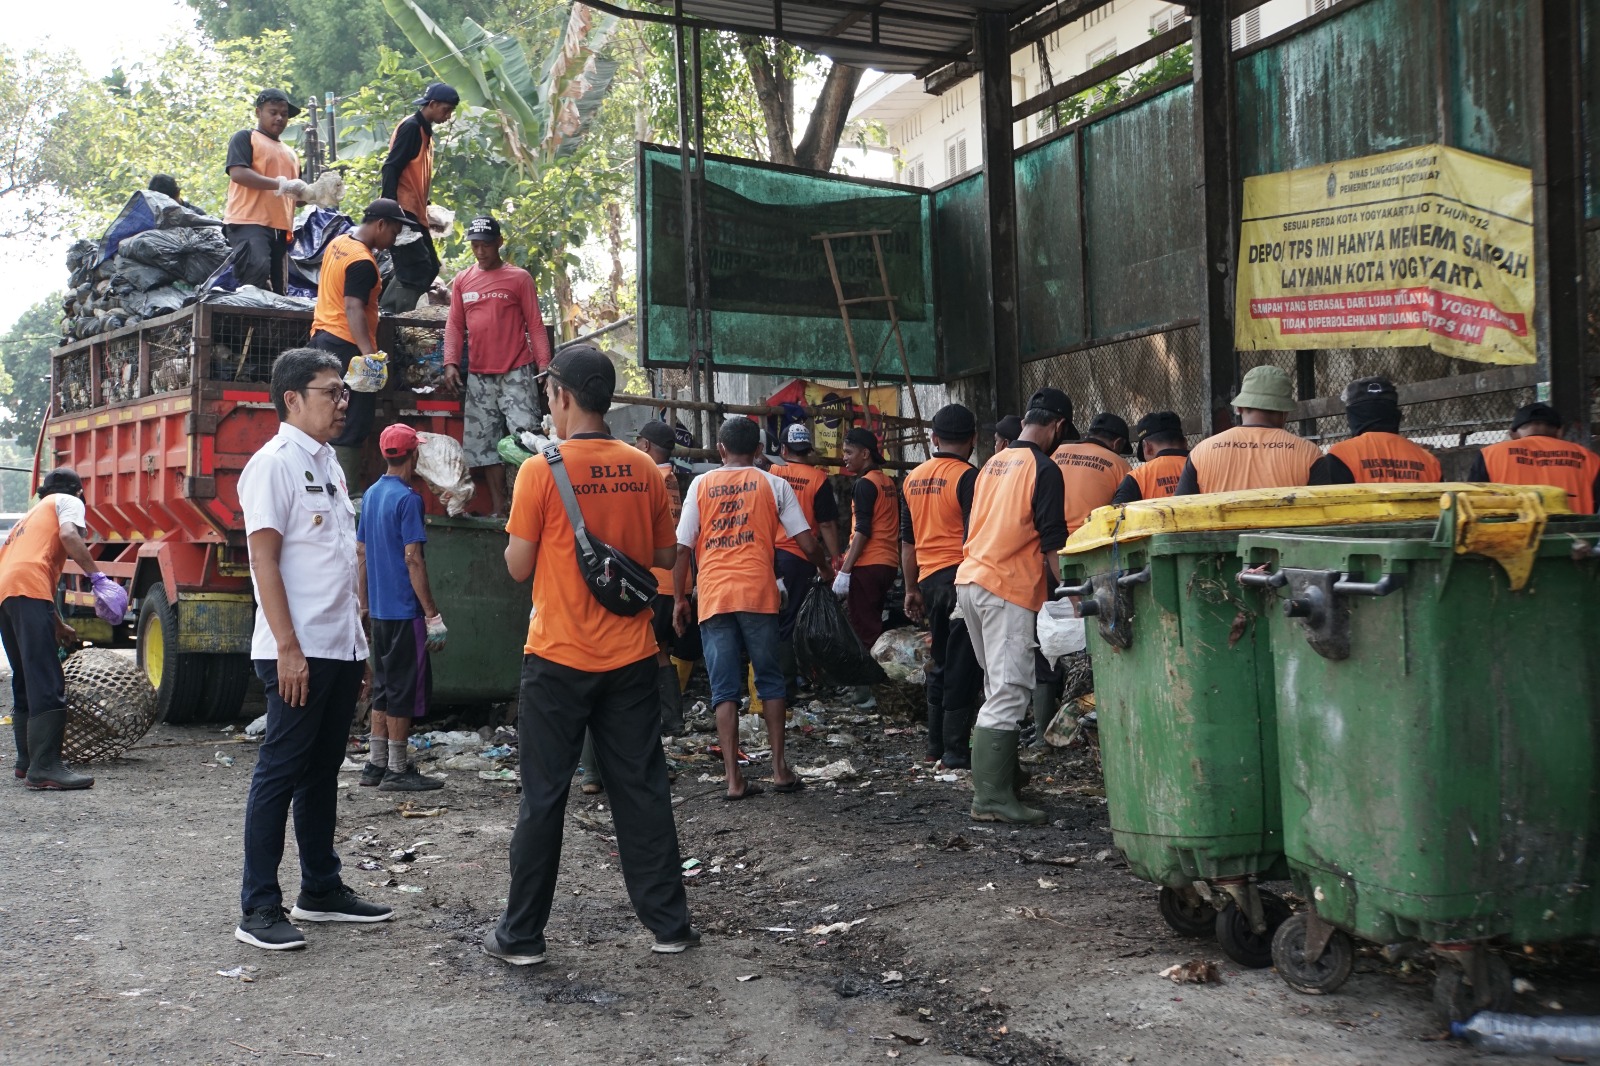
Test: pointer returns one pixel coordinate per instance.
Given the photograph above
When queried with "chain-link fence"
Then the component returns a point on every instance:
(1157, 372)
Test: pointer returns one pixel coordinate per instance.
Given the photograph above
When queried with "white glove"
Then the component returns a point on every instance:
(437, 633)
(841, 583)
(291, 187)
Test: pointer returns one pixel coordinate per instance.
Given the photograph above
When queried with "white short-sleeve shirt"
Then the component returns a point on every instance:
(790, 515)
(295, 486)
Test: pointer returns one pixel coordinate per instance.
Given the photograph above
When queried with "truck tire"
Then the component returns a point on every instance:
(179, 679)
(227, 681)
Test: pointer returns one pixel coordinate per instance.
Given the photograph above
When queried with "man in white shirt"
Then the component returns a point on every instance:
(309, 651)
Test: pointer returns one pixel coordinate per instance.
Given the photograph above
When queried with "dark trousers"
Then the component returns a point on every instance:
(797, 574)
(28, 632)
(622, 710)
(416, 266)
(261, 253)
(869, 591)
(955, 680)
(298, 761)
(359, 412)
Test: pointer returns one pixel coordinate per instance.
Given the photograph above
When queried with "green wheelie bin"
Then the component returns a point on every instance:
(1184, 689)
(1437, 699)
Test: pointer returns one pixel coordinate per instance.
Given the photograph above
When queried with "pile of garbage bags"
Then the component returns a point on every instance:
(149, 263)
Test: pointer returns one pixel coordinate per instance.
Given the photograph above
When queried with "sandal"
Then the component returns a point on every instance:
(790, 786)
(750, 789)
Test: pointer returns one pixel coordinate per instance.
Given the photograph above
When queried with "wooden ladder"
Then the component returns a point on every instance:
(886, 298)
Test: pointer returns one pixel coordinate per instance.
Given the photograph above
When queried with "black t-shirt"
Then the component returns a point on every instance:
(241, 151)
(360, 278)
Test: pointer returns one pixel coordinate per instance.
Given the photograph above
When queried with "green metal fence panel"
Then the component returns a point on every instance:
(773, 304)
(1143, 216)
(1591, 110)
(1486, 78)
(966, 308)
(1050, 304)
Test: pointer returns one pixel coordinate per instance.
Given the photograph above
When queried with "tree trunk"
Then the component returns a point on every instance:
(775, 92)
(816, 150)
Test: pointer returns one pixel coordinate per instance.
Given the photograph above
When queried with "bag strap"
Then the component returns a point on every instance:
(569, 499)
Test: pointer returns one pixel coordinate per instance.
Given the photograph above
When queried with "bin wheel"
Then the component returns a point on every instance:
(1301, 974)
(178, 679)
(1241, 943)
(227, 681)
(1456, 1000)
(1186, 913)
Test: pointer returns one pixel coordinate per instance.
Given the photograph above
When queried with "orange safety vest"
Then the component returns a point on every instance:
(1091, 473)
(1253, 457)
(1002, 551)
(738, 529)
(32, 557)
(930, 492)
(1158, 478)
(415, 181)
(664, 585)
(1376, 456)
(264, 207)
(883, 546)
(329, 314)
(1546, 461)
(806, 481)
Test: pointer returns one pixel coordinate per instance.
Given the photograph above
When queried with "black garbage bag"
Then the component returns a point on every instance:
(159, 301)
(827, 649)
(138, 277)
(146, 210)
(189, 255)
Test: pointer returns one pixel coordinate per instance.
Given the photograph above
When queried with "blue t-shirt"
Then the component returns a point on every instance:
(391, 518)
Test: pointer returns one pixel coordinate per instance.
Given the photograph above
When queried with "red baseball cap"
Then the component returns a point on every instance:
(398, 439)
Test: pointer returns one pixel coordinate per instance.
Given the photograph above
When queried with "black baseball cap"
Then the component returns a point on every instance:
(583, 369)
(954, 422)
(270, 96)
(1109, 425)
(660, 434)
(388, 210)
(61, 479)
(1056, 403)
(1377, 388)
(437, 93)
(1159, 424)
(862, 437)
(1535, 412)
(1009, 427)
(483, 228)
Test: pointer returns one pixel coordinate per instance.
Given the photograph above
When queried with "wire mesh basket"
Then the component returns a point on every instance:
(110, 705)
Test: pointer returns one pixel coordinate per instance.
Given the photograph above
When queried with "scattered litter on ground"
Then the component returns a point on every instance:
(499, 775)
(256, 728)
(238, 973)
(834, 771)
(409, 810)
(223, 760)
(1193, 972)
(470, 763)
(750, 977)
(893, 977)
(412, 889)
(836, 927)
(1046, 883)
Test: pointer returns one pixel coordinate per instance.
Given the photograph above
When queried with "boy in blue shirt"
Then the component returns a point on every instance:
(392, 586)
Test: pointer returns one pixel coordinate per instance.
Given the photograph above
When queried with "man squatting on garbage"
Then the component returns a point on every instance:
(403, 621)
(585, 667)
(31, 561)
(309, 651)
(936, 503)
(1017, 526)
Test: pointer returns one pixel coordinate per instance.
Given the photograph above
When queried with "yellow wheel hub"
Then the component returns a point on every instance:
(153, 650)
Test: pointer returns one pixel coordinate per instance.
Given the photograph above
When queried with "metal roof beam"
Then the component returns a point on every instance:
(1155, 46)
(805, 40)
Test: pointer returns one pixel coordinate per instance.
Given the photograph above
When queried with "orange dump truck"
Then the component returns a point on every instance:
(159, 419)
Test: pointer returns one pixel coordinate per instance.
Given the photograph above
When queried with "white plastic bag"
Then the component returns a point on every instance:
(1061, 631)
(368, 373)
(443, 465)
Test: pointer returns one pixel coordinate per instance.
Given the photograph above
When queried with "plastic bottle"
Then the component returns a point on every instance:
(1519, 1034)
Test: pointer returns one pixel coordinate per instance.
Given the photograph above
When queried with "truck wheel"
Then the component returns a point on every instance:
(178, 679)
(227, 680)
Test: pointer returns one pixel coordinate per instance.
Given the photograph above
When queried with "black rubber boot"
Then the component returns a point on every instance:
(671, 701)
(45, 768)
(19, 731)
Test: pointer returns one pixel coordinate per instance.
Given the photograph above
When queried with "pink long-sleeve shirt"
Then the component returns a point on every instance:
(500, 311)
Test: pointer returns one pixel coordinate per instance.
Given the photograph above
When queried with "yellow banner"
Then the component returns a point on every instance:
(1426, 246)
(827, 433)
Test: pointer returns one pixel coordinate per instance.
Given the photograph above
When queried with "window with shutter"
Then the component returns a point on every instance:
(1167, 18)
(955, 156)
(1314, 6)
(1247, 29)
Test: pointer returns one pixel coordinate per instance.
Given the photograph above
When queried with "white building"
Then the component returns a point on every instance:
(936, 138)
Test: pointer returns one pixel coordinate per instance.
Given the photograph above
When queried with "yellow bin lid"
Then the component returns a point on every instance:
(1322, 505)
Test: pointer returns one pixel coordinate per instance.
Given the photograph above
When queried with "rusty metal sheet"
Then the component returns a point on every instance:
(966, 312)
(1051, 309)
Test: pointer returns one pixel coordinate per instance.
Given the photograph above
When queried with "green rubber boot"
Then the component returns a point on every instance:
(1043, 712)
(350, 462)
(994, 764)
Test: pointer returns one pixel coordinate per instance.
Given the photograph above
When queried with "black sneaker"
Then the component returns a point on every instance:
(408, 780)
(673, 947)
(372, 775)
(340, 905)
(268, 928)
(491, 946)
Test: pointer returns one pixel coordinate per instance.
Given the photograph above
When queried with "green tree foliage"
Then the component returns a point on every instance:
(25, 372)
(39, 93)
(335, 45)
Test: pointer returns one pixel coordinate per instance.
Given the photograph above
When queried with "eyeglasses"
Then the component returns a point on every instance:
(337, 393)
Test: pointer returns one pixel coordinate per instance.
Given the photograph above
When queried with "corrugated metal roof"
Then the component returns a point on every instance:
(888, 35)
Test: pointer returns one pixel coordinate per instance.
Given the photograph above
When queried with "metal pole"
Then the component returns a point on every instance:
(333, 128)
(691, 322)
(1214, 151)
(703, 278)
(999, 186)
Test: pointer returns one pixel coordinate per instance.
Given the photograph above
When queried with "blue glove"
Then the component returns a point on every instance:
(110, 598)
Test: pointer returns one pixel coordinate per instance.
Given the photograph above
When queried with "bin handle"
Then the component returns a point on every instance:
(1064, 590)
(1382, 587)
(1137, 577)
(1258, 580)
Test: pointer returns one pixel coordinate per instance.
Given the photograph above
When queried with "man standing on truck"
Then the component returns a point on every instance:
(309, 652)
(493, 307)
(263, 184)
(345, 321)
(31, 561)
(586, 666)
(408, 179)
(392, 585)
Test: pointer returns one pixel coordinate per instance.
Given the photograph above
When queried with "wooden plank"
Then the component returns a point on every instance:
(1500, 379)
